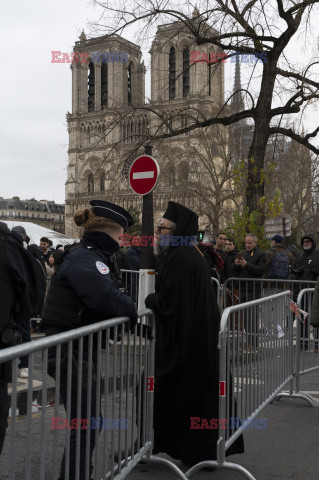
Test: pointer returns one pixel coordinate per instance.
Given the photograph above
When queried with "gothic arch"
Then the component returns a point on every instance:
(183, 171)
(170, 175)
(104, 85)
(186, 70)
(91, 86)
(130, 83)
(90, 183)
(102, 182)
(172, 72)
(89, 165)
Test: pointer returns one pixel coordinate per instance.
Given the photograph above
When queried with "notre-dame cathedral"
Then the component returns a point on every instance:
(110, 118)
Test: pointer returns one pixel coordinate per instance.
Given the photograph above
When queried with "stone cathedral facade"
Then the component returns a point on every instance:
(110, 118)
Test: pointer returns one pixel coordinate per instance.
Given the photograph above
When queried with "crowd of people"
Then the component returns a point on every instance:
(86, 286)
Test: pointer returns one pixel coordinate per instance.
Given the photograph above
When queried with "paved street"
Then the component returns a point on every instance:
(286, 450)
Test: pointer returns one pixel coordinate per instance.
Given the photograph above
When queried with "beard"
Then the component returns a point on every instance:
(158, 247)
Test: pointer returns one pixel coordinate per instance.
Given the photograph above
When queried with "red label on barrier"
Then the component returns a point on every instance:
(150, 384)
(222, 389)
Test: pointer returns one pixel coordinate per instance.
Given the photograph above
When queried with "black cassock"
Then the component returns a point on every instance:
(186, 360)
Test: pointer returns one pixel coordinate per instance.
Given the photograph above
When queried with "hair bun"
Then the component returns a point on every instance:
(81, 217)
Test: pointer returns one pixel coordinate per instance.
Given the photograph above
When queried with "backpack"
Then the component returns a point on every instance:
(279, 267)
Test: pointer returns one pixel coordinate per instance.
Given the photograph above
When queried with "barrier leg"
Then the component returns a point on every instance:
(312, 401)
(227, 465)
(200, 466)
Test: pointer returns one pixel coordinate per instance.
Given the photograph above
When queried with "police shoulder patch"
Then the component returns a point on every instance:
(102, 268)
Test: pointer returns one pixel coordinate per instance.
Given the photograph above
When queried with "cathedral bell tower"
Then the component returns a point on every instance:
(108, 84)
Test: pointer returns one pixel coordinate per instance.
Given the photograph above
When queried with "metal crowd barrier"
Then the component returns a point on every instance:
(306, 348)
(131, 282)
(255, 364)
(214, 271)
(218, 290)
(240, 290)
(96, 403)
(255, 341)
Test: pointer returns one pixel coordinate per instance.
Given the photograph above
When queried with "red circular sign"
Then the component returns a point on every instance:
(144, 173)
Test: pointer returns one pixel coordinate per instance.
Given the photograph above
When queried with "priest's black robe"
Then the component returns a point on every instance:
(186, 359)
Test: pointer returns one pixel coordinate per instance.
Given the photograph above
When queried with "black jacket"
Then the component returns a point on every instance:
(223, 273)
(306, 266)
(86, 283)
(22, 282)
(230, 259)
(133, 258)
(257, 264)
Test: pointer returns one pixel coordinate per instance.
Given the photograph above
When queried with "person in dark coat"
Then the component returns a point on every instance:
(22, 289)
(279, 266)
(35, 251)
(84, 289)
(251, 263)
(133, 253)
(294, 250)
(186, 354)
(306, 267)
(220, 244)
(23, 322)
(213, 259)
(231, 252)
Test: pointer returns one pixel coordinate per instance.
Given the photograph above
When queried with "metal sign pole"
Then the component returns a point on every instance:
(147, 272)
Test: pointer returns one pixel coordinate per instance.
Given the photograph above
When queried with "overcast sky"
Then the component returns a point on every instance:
(36, 94)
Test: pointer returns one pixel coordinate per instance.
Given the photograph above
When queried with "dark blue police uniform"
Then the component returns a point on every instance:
(84, 289)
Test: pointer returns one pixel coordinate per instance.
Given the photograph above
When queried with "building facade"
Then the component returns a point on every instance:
(110, 120)
(45, 213)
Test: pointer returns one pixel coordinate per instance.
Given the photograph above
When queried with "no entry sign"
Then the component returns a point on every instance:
(144, 173)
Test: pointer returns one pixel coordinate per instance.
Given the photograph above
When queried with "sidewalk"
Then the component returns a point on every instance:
(22, 383)
(286, 450)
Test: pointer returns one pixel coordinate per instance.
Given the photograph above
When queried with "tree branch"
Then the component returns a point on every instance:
(298, 138)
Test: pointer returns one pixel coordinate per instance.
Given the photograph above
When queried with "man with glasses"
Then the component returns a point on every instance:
(186, 355)
(306, 267)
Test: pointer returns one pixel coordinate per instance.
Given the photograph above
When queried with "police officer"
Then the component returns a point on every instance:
(83, 290)
(22, 288)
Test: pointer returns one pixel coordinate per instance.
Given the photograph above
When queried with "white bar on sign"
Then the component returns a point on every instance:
(140, 175)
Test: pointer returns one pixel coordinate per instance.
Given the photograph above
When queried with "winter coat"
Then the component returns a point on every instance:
(230, 259)
(278, 248)
(133, 258)
(306, 267)
(256, 266)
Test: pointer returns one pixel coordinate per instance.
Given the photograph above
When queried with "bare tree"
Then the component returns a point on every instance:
(296, 175)
(206, 173)
(251, 28)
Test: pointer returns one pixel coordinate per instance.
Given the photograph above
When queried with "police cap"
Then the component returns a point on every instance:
(109, 210)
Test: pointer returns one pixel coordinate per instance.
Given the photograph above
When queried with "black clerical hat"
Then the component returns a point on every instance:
(171, 212)
(186, 220)
(113, 212)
